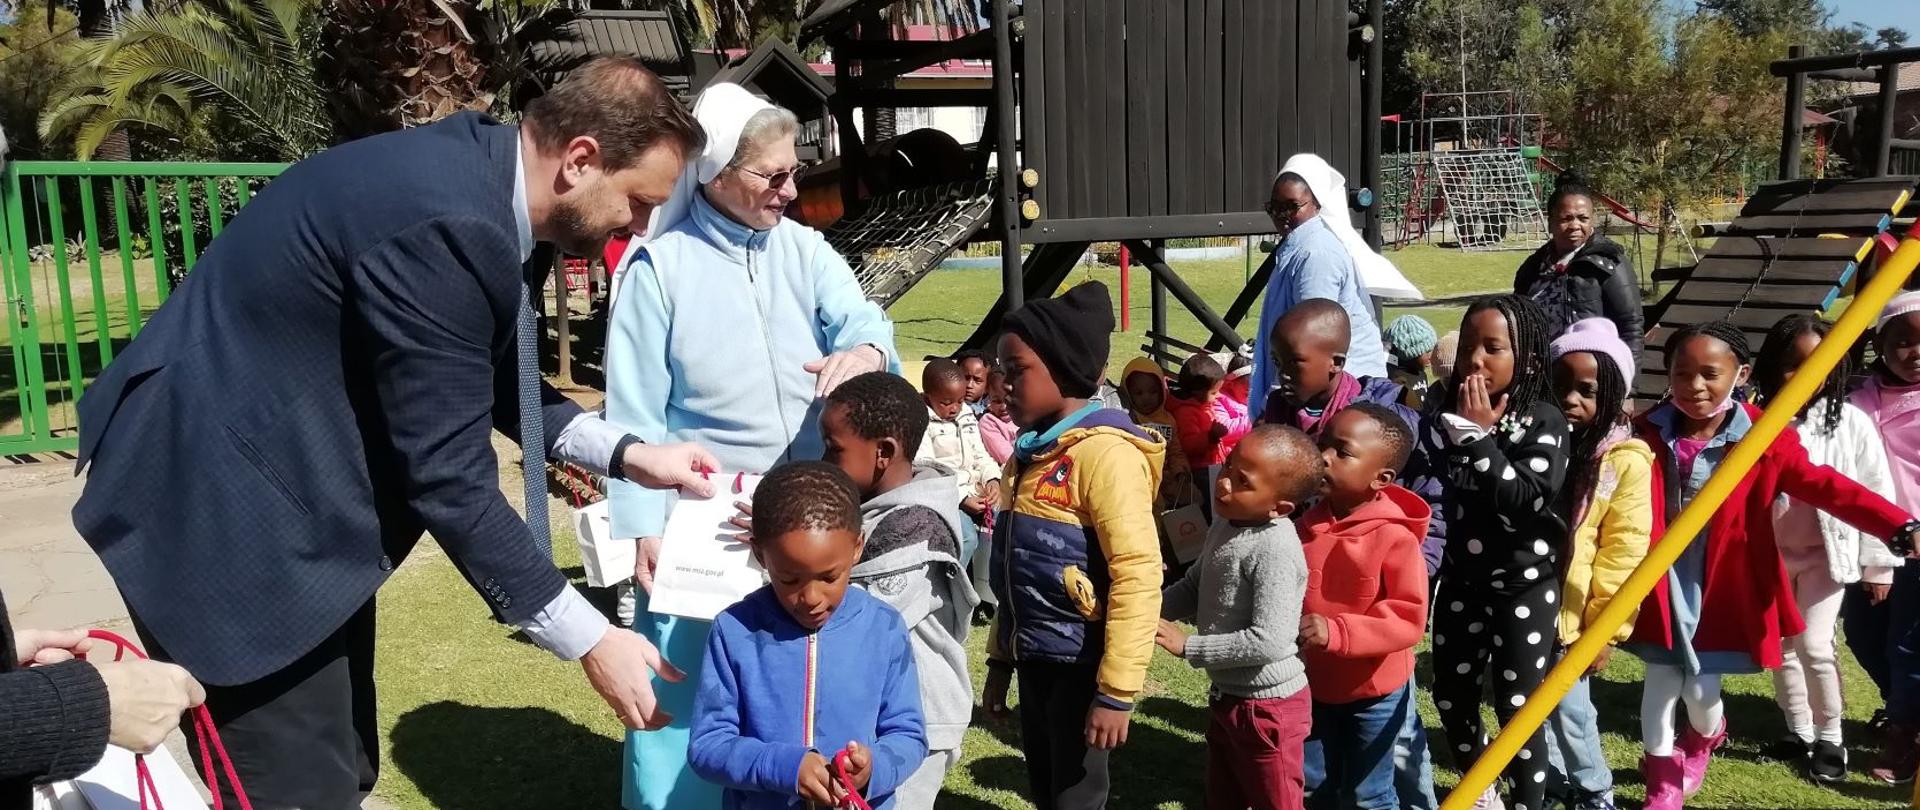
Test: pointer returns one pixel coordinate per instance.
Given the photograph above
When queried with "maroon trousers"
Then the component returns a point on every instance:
(1254, 757)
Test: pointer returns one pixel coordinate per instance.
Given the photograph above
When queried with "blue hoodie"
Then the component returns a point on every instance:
(750, 723)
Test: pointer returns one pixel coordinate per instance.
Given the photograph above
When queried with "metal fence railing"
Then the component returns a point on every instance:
(88, 250)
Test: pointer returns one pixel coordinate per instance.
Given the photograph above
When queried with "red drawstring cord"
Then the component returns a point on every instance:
(204, 732)
(841, 762)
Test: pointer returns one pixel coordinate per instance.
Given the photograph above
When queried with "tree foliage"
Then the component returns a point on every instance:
(32, 49)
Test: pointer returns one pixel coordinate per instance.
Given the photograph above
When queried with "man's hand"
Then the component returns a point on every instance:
(1171, 638)
(619, 666)
(1107, 728)
(145, 700)
(1313, 632)
(994, 699)
(836, 368)
(40, 647)
(816, 782)
(646, 560)
(1600, 661)
(667, 466)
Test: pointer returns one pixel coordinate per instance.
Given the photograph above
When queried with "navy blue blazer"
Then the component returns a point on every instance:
(318, 392)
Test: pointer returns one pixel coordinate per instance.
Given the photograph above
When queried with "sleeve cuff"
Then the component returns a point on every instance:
(1461, 430)
(568, 626)
(1111, 702)
(588, 441)
(1337, 636)
(87, 715)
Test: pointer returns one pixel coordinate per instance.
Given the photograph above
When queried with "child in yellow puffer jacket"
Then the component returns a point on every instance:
(1609, 493)
(1076, 552)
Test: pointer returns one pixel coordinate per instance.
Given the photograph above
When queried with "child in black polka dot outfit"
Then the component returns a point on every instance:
(1503, 444)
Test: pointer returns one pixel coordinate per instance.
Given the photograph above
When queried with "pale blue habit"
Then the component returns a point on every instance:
(1313, 263)
(707, 343)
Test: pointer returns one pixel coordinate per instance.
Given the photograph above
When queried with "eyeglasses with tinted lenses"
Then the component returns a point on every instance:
(779, 179)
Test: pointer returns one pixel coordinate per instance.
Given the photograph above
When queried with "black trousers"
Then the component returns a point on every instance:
(304, 737)
(1064, 773)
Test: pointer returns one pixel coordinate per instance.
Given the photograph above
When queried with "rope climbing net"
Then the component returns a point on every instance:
(1491, 199)
(902, 236)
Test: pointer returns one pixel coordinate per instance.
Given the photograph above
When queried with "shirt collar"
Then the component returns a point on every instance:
(1667, 418)
(522, 218)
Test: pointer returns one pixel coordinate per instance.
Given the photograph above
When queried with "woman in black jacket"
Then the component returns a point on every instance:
(57, 713)
(1581, 273)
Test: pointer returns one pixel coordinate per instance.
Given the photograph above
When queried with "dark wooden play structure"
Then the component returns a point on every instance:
(1132, 121)
(1798, 244)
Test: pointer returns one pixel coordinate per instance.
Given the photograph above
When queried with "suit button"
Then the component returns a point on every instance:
(506, 602)
(386, 563)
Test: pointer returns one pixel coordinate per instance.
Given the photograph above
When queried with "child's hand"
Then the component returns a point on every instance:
(1600, 661)
(1107, 728)
(743, 521)
(816, 783)
(999, 683)
(1476, 405)
(973, 506)
(990, 491)
(859, 765)
(1217, 432)
(1876, 593)
(1171, 638)
(1313, 632)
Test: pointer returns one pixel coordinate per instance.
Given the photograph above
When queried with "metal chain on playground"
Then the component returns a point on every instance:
(903, 235)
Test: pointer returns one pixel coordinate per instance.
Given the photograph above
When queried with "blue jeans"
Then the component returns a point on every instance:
(1349, 756)
(1412, 766)
(1574, 758)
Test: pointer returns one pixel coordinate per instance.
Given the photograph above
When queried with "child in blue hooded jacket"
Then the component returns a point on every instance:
(806, 668)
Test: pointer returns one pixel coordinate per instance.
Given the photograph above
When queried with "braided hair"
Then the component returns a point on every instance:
(1609, 411)
(1723, 331)
(805, 496)
(1528, 335)
(1770, 368)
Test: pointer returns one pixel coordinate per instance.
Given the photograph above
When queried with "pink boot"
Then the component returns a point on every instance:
(1695, 752)
(1663, 775)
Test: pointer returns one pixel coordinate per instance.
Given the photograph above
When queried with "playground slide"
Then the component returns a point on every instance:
(1619, 210)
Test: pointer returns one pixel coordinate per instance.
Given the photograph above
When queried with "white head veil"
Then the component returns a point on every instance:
(1330, 191)
(722, 110)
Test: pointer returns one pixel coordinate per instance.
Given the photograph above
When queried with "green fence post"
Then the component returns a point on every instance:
(124, 232)
(157, 238)
(214, 201)
(58, 235)
(90, 228)
(183, 194)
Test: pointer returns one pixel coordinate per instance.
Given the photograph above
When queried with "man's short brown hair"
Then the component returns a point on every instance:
(618, 102)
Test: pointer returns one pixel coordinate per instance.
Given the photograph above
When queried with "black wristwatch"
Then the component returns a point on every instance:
(615, 469)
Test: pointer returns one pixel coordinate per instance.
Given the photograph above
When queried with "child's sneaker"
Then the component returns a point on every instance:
(1594, 801)
(1898, 758)
(1490, 800)
(1790, 749)
(1829, 762)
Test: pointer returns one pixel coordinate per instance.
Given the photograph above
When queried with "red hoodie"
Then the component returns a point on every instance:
(1365, 574)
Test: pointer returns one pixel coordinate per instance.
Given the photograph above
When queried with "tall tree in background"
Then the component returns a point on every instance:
(1890, 37)
(31, 51)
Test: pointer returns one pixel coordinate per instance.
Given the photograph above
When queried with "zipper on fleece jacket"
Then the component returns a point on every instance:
(807, 701)
(773, 366)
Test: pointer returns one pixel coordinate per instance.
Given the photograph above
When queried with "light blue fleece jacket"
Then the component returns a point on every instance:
(1312, 263)
(750, 721)
(708, 343)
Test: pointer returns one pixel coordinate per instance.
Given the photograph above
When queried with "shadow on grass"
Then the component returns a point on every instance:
(477, 758)
(1153, 768)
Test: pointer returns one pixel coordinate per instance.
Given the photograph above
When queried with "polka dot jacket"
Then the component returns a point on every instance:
(1501, 493)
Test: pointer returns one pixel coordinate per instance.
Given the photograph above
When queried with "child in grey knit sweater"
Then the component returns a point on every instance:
(1244, 596)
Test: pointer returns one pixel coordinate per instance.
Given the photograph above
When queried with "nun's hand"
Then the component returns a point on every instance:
(836, 368)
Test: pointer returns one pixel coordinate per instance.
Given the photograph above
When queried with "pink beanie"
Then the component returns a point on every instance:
(1600, 336)
(1902, 304)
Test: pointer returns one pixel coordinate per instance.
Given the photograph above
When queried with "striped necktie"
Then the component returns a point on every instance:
(533, 434)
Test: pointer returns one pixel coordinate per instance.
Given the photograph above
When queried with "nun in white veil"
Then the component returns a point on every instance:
(1322, 256)
(729, 324)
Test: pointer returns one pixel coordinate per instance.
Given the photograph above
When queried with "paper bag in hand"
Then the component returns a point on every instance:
(705, 566)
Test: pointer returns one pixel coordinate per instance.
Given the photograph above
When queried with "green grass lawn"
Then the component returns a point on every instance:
(473, 717)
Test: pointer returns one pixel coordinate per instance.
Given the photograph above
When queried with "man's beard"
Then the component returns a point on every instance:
(572, 235)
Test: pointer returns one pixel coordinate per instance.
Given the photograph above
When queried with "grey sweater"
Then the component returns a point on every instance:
(1244, 594)
(912, 563)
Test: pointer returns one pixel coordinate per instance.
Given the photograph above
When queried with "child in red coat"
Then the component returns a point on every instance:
(1207, 423)
(1727, 601)
(1365, 609)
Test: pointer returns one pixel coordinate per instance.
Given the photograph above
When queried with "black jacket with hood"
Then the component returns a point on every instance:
(1599, 282)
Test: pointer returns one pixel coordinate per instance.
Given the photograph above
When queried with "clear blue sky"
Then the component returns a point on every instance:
(1876, 14)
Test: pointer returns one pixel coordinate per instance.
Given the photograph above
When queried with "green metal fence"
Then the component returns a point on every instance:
(88, 250)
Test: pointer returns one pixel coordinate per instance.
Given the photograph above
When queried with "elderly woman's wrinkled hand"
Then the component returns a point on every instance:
(839, 367)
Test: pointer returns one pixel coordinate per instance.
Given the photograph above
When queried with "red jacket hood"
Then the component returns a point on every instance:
(1395, 505)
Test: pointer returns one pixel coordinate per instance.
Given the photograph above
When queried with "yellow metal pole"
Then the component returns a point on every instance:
(1865, 308)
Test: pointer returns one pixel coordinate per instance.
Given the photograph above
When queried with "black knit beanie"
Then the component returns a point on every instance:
(1071, 334)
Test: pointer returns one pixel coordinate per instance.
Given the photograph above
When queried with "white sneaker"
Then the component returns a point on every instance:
(1489, 800)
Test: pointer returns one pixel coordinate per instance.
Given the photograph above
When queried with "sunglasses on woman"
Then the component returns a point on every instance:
(778, 179)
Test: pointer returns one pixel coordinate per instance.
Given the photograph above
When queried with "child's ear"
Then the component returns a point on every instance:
(886, 451)
(1384, 478)
(1340, 361)
(1743, 376)
(1282, 509)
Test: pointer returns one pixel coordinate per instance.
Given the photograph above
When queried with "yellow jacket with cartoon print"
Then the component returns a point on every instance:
(1076, 553)
(1611, 539)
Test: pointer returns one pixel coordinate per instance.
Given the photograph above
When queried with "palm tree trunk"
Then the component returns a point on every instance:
(402, 63)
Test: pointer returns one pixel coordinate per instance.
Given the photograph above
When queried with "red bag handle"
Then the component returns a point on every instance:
(204, 732)
(841, 762)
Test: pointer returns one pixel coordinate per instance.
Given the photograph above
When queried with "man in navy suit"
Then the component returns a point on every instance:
(320, 391)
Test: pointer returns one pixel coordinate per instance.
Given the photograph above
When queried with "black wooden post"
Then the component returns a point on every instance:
(1159, 299)
(1790, 127)
(1370, 116)
(1012, 285)
(1165, 280)
(1883, 146)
